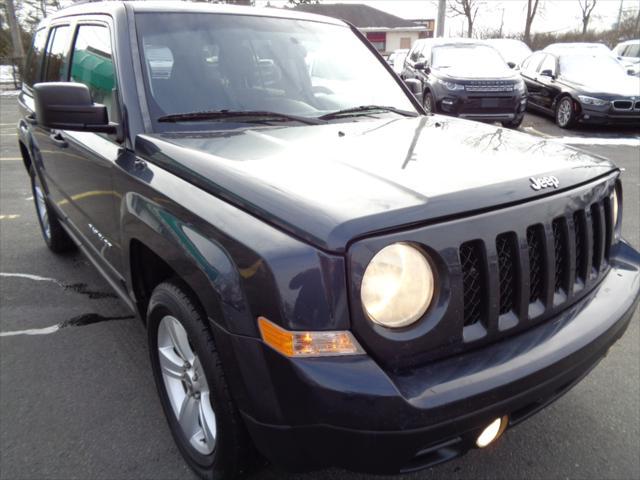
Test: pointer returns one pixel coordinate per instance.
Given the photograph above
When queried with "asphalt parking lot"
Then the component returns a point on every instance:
(80, 402)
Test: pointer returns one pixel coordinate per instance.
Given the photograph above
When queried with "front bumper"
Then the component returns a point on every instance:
(483, 107)
(348, 412)
(607, 115)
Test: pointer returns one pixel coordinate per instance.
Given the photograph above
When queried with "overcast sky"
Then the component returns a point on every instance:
(556, 15)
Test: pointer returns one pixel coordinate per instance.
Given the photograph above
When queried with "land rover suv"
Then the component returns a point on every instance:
(328, 275)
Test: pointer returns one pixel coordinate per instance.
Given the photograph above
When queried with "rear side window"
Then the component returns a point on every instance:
(55, 58)
(34, 59)
(92, 64)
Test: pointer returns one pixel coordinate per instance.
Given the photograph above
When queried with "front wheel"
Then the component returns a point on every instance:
(515, 123)
(202, 416)
(428, 103)
(565, 114)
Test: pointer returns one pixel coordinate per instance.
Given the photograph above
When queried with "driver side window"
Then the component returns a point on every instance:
(549, 63)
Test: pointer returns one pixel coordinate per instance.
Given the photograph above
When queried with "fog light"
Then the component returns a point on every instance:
(492, 432)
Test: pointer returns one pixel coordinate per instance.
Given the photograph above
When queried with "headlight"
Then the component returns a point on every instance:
(451, 85)
(519, 87)
(592, 100)
(397, 286)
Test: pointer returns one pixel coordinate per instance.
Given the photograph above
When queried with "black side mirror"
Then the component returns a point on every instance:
(68, 106)
(511, 65)
(422, 66)
(547, 73)
(414, 85)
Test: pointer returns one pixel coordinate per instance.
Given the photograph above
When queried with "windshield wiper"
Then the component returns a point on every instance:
(246, 115)
(364, 109)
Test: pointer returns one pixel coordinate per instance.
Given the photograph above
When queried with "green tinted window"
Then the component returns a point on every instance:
(92, 64)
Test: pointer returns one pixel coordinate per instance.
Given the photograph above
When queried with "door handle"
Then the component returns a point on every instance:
(58, 139)
(31, 119)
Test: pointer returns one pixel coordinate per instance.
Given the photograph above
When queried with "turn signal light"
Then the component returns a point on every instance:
(308, 344)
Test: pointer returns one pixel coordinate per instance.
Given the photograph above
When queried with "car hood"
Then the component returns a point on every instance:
(329, 184)
(621, 85)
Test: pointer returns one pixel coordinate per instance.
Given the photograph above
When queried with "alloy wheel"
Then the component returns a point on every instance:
(186, 386)
(564, 112)
(428, 103)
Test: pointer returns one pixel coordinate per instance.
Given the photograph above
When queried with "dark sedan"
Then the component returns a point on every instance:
(468, 79)
(581, 87)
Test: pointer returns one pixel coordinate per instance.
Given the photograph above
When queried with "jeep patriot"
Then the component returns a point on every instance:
(328, 275)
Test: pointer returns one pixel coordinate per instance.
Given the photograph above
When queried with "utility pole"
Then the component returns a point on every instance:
(16, 37)
(501, 23)
(442, 10)
(619, 16)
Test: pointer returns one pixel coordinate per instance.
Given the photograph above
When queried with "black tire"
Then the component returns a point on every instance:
(54, 236)
(428, 103)
(233, 452)
(515, 123)
(565, 115)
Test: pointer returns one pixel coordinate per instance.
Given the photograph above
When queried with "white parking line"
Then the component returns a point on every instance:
(32, 331)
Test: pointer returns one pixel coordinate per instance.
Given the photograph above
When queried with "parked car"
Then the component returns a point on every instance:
(566, 47)
(328, 279)
(629, 54)
(396, 59)
(581, 87)
(468, 79)
(513, 51)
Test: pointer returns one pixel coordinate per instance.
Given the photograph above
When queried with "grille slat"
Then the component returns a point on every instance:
(598, 233)
(580, 232)
(560, 246)
(506, 247)
(474, 280)
(536, 263)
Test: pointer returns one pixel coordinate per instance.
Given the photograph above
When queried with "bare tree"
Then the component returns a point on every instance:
(532, 9)
(468, 9)
(586, 7)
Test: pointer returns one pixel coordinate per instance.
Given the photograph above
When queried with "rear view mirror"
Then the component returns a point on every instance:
(68, 106)
(547, 73)
(414, 85)
(511, 65)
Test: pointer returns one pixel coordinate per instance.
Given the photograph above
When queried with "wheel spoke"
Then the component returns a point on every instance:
(170, 363)
(188, 416)
(207, 421)
(180, 340)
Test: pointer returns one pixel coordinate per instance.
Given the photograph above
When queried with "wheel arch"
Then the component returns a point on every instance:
(158, 246)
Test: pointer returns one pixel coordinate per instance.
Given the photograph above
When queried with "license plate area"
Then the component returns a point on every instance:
(489, 102)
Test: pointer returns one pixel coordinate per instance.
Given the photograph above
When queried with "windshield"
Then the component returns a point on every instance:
(511, 50)
(467, 56)
(581, 66)
(217, 62)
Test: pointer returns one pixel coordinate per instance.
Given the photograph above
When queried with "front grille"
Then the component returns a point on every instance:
(574, 254)
(581, 246)
(637, 107)
(560, 248)
(535, 239)
(506, 246)
(622, 104)
(489, 86)
(474, 282)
